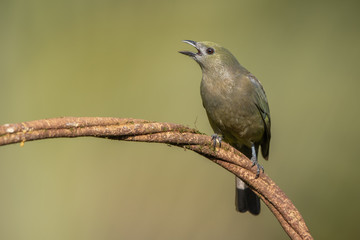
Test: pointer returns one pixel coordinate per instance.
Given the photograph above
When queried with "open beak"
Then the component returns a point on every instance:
(190, 54)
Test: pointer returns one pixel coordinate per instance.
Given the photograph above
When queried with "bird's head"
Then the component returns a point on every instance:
(211, 56)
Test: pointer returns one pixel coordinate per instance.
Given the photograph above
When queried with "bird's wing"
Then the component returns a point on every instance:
(263, 107)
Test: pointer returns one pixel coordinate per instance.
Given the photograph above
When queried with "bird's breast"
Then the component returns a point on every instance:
(231, 111)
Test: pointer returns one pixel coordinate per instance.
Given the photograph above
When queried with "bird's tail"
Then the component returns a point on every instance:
(245, 199)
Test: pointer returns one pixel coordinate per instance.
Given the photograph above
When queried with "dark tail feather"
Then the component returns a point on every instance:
(245, 199)
(253, 202)
(240, 200)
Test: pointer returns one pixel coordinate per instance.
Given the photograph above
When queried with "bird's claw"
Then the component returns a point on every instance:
(216, 139)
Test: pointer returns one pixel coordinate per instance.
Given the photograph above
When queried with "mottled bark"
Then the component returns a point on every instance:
(174, 134)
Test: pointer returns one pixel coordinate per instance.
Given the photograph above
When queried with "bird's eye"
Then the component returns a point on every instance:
(210, 51)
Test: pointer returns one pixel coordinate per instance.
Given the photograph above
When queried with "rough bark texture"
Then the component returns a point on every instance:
(145, 131)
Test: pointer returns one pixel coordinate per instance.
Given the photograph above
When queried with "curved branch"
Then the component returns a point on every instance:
(174, 134)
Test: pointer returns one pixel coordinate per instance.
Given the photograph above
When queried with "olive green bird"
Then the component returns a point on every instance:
(237, 108)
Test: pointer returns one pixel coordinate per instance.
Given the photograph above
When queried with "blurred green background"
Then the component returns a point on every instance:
(119, 59)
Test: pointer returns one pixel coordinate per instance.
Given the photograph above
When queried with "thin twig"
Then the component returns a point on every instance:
(174, 134)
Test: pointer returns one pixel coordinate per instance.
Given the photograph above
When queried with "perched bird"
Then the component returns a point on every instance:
(237, 108)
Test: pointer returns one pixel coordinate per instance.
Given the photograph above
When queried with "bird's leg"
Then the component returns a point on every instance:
(216, 139)
(255, 161)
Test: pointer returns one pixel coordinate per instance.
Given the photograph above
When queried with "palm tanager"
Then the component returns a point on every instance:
(237, 109)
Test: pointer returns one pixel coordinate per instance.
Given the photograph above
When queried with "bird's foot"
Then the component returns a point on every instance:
(258, 166)
(216, 139)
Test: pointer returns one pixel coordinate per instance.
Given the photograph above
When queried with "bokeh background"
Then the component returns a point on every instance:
(119, 59)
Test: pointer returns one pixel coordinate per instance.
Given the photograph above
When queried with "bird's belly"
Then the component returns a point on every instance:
(236, 124)
(232, 112)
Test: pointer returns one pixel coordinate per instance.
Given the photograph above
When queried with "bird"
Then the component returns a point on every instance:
(237, 109)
